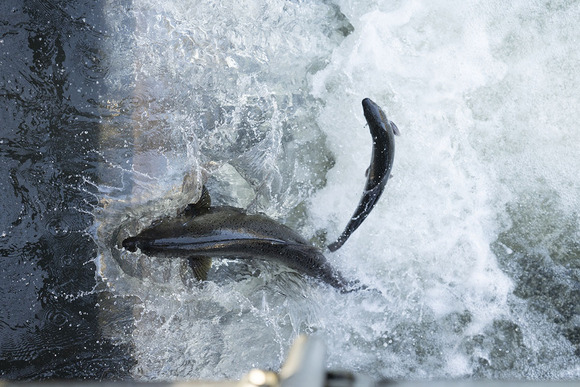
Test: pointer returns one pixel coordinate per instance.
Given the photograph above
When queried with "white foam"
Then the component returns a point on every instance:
(487, 111)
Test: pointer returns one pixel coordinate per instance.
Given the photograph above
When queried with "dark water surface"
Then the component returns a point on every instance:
(50, 67)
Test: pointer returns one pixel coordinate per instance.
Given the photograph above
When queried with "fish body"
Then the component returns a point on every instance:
(228, 232)
(383, 134)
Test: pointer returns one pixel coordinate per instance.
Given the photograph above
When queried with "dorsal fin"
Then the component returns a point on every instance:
(395, 129)
(200, 267)
(202, 205)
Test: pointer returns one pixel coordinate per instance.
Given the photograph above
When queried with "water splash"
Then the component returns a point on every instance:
(264, 103)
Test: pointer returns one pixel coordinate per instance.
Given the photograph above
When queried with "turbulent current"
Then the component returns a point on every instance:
(474, 245)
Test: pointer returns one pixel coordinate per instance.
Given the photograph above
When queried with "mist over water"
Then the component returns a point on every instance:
(474, 246)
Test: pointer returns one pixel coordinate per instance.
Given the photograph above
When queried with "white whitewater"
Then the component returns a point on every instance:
(474, 245)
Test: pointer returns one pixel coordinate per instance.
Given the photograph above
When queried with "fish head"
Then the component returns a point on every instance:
(377, 119)
(131, 244)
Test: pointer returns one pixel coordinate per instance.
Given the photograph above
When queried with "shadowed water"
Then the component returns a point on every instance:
(50, 75)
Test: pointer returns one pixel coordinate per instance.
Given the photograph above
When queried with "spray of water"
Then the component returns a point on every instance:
(473, 248)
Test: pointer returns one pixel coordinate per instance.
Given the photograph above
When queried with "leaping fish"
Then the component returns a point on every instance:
(383, 132)
(202, 232)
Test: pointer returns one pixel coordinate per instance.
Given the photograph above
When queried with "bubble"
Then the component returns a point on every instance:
(57, 317)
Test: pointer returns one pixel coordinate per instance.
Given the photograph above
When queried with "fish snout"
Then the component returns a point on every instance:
(131, 244)
(376, 118)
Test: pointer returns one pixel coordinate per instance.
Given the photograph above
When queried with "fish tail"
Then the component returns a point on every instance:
(336, 245)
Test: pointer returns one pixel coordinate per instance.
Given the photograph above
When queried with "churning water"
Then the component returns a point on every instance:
(474, 246)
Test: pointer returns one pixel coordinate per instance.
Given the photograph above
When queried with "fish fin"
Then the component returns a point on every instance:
(395, 129)
(205, 200)
(202, 205)
(367, 171)
(200, 267)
